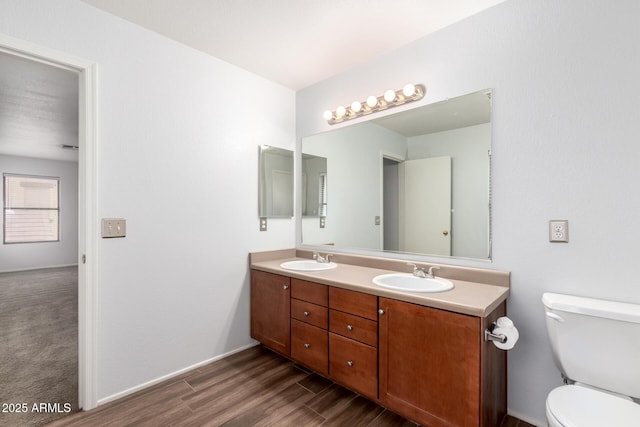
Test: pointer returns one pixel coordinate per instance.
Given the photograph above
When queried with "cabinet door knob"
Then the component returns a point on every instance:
(380, 311)
(349, 328)
(307, 345)
(349, 363)
(285, 287)
(306, 313)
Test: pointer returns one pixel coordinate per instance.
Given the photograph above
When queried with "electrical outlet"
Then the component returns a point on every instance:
(559, 231)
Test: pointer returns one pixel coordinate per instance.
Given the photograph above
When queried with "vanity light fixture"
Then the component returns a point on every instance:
(390, 98)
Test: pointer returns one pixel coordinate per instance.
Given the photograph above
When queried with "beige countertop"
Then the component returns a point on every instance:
(475, 299)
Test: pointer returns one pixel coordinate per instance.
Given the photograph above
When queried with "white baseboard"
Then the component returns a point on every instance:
(131, 390)
(525, 418)
(38, 268)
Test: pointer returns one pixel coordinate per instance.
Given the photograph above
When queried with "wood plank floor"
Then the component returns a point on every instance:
(255, 387)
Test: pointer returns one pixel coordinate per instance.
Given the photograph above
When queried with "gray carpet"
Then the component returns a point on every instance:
(38, 345)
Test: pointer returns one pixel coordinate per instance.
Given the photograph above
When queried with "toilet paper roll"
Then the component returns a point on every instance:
(512, 334)
(504, 322)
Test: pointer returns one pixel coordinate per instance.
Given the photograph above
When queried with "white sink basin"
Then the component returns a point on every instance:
(410, 283)
(308, 265)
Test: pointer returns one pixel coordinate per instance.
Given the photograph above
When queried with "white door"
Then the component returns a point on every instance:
(426, 206)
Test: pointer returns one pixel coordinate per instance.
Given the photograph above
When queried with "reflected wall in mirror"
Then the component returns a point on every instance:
(414, 182)
(275, 183)
(314, 186)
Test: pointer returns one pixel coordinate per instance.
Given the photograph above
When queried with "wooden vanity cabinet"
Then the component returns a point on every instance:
(353, 340)
(435, 367)
(309, 324)
(429, 365)
(270, 311)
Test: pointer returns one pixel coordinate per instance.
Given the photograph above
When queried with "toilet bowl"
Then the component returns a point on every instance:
(580, 406)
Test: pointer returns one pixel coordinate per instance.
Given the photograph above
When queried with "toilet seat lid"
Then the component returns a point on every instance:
(574, 405)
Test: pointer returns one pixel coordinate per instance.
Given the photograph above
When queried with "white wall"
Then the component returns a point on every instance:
(25, 256)
(178, 136)
(565, 146)
(353, 164)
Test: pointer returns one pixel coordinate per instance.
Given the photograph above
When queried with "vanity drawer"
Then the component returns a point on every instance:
(363, 305)
(312, 292)
(310, 346)
(354, 365)
(354, 327)
(307, 312)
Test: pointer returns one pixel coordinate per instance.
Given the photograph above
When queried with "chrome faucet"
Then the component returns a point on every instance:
(419, 271)
(322, 259)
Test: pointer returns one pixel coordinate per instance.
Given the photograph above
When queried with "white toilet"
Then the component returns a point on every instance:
(596, 346)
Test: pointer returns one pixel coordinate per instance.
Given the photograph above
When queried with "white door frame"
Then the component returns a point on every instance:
(87, 222)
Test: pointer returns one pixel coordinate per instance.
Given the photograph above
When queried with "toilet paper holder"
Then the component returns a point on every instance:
(490, 336)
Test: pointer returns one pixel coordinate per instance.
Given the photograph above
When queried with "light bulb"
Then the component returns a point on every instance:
(409, 90)
(372, 101)
(389, 95)
(356, 107)
(340, 111)
(328, 115)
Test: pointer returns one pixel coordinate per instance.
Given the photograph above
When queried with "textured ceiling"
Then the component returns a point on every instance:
(38, 109)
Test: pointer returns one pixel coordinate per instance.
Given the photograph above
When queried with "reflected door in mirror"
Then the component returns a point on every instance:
(425, 204)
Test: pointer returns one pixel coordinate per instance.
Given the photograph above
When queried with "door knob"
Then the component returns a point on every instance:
(445, 232)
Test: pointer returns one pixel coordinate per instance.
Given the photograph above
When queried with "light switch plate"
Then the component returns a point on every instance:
(263, 224)
(114, 227)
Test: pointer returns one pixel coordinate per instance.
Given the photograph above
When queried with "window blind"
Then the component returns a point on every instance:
(31, 208)
(322, 211)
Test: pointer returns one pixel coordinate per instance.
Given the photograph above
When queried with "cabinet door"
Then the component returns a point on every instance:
(354, 327)
(353, 364)
(270, 311)
(307, 312)
(353, 302)
(310, 346)
(309, 291)
(429, 364)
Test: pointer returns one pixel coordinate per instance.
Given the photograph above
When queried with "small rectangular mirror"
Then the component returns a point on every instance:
(275, 182)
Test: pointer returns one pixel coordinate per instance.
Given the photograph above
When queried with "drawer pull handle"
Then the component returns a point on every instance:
(349, 328)
(349, 363)
(306, 313)
(307, 345)
(380, 311)
(285, 287)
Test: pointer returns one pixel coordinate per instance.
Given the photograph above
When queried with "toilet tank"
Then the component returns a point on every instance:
(595, 342)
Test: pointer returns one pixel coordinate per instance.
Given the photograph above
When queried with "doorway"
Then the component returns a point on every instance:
(87, 217)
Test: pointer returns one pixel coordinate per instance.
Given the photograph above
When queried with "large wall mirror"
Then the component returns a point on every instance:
(414, 182)
(275, 182)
